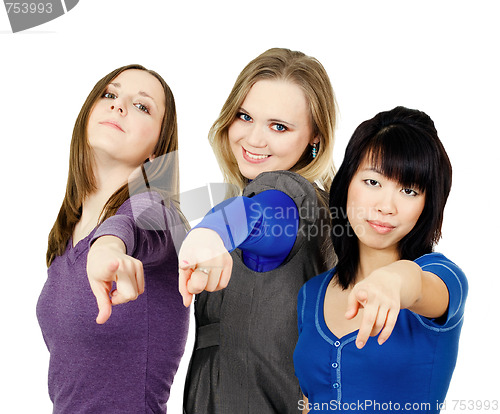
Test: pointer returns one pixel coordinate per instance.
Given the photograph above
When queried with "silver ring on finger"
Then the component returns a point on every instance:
(205, 270)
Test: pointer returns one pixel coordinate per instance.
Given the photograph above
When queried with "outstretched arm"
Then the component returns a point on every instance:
(139, 233)
(400, 285)
(265, 225)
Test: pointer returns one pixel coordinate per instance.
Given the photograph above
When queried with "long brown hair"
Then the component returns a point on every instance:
(304, 71)
(81, 179)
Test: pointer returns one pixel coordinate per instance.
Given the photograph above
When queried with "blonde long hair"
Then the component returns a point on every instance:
(81, 179)
(304, 71)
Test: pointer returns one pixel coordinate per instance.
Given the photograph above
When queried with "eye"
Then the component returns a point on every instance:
(244, 117)
(279, 127)
(409, 192)
(109, 95)
(142, 107)
(370, 182)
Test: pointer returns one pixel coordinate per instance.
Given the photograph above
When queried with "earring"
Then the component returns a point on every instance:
(314, 150)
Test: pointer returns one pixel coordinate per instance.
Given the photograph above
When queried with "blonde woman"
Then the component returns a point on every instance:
(274, 141)
(116, 225)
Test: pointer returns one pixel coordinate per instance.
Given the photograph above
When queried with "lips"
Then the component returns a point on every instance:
(112, 124)
(381, 227)
(254, 158)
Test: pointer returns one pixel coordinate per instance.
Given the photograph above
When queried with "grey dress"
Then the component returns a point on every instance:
(246, 334)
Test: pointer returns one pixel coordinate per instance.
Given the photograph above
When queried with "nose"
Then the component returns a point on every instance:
(256, 137)
(386, 204)
(118, 106)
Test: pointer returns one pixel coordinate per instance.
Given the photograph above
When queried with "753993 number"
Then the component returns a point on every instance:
(475, 405)
(31, 8)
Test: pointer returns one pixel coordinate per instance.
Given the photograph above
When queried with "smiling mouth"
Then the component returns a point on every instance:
(249, 156)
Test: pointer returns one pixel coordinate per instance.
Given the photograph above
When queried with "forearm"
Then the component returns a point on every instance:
(109, 242)
(421, 292)
(400, 285)
(408, 277)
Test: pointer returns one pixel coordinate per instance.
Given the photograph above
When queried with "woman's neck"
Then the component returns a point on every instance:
(372, 259)
(108, 180)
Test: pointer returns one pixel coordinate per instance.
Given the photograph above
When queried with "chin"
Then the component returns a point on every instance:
(249, 171)
(249, 175)
(381, 244)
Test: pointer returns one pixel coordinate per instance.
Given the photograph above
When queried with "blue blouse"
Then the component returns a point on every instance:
(410, 372)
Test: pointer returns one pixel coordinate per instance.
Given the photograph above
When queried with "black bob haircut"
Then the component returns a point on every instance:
(404, 145)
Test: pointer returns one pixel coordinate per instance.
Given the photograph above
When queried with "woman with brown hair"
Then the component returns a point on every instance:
(117, 225)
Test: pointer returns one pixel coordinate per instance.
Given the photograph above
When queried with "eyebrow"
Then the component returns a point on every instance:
(142, 93)
(374, 170)
(279, 121)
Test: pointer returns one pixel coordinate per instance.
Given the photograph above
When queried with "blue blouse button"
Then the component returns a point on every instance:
(335, 365)
(336, 385)
(337, 344)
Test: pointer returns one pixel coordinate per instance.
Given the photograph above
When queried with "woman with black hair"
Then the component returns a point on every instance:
(387, 202)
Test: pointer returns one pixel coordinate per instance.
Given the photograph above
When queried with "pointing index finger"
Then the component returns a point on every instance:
(184, 276)
(367, 323)
(101, 294)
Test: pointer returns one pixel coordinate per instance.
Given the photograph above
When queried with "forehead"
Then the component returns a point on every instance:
(276, 99)
(366, 164)
(374, 161)
(135, 81)
(403, 173)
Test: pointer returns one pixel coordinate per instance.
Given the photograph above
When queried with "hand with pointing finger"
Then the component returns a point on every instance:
(382, 294)
(379, 297)
(204, 264)
(107, 262)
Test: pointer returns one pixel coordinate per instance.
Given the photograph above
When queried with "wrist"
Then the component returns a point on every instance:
(109, 242)
(410, 277)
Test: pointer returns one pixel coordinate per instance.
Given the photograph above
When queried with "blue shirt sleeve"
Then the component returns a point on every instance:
(456, 283)
(265, 224)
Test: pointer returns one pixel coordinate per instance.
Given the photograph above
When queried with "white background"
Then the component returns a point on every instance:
(437, 56)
